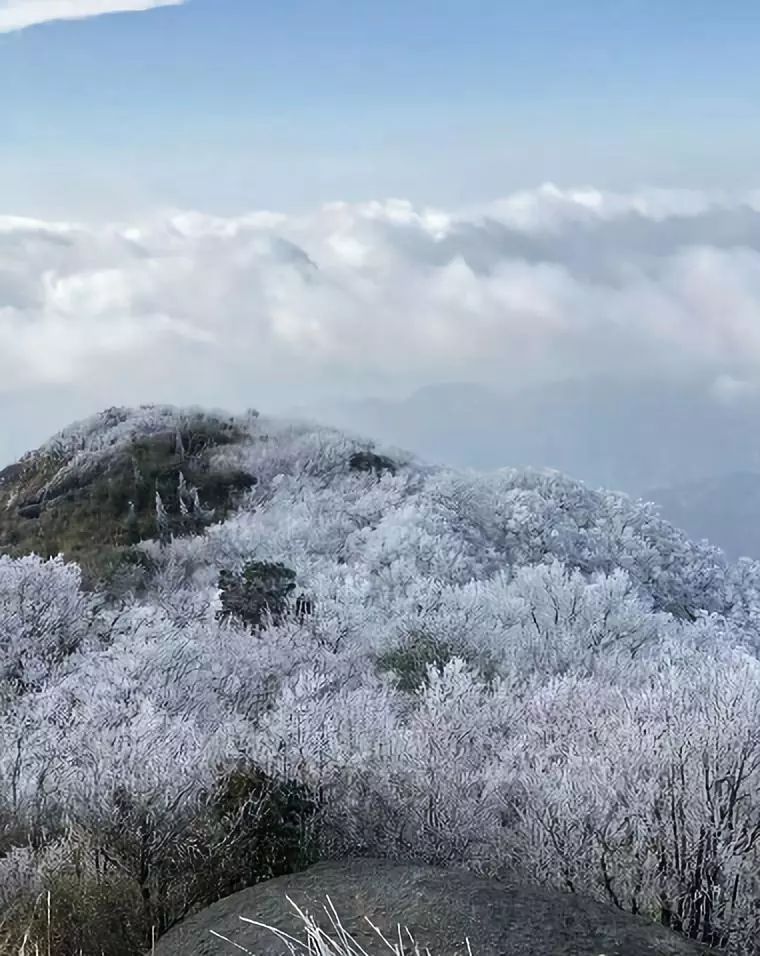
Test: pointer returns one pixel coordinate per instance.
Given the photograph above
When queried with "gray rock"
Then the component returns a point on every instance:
(440, 907)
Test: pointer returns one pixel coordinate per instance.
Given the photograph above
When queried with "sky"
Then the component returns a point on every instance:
(226, 105)
(247, 203)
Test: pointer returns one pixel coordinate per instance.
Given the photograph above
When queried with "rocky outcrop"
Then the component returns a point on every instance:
(440, 907)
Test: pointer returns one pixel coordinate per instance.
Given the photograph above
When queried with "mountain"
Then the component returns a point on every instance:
(91, 491)
(724, 509)
(264, 643)
(631, 435)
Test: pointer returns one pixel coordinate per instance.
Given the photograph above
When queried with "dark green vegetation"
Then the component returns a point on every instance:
(371, 461)
(259, 595)
(410, 658)
(249, 828)
(93, 510)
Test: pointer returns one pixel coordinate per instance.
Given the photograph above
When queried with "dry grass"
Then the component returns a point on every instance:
(319, 943)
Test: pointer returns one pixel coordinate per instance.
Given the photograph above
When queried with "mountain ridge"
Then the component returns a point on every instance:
(631, 435)
(360, 653)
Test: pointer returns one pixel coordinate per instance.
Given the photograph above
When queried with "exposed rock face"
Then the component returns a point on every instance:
(440, 907)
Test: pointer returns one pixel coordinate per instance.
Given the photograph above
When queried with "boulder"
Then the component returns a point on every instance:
(440, 907)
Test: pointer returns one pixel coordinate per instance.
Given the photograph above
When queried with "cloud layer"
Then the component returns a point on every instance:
(541, 285)
(19, 14)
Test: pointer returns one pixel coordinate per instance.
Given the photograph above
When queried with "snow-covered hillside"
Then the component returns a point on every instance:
(503, 671)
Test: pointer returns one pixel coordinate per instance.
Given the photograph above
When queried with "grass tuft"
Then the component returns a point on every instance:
(318, 942)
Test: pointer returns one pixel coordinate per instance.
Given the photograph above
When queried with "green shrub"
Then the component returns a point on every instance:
(118, 888)
(410, 659)
(260, 593)
(271, 824)
(78, 914)
(371, 461)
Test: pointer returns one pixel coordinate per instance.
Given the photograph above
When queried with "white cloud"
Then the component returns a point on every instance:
(19, 14)
(731, 391)
(542, 285)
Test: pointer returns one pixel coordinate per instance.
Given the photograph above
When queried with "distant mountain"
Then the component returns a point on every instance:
(725, 510)
(629, 435)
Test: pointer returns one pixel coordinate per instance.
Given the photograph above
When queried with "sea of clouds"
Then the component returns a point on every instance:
(538, 285)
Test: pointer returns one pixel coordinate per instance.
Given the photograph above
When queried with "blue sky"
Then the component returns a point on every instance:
(225, 105)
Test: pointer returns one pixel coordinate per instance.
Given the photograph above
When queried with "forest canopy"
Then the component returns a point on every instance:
(353, 652)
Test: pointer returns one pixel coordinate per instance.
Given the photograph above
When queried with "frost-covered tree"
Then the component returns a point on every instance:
(44, 616)
(506, 672)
